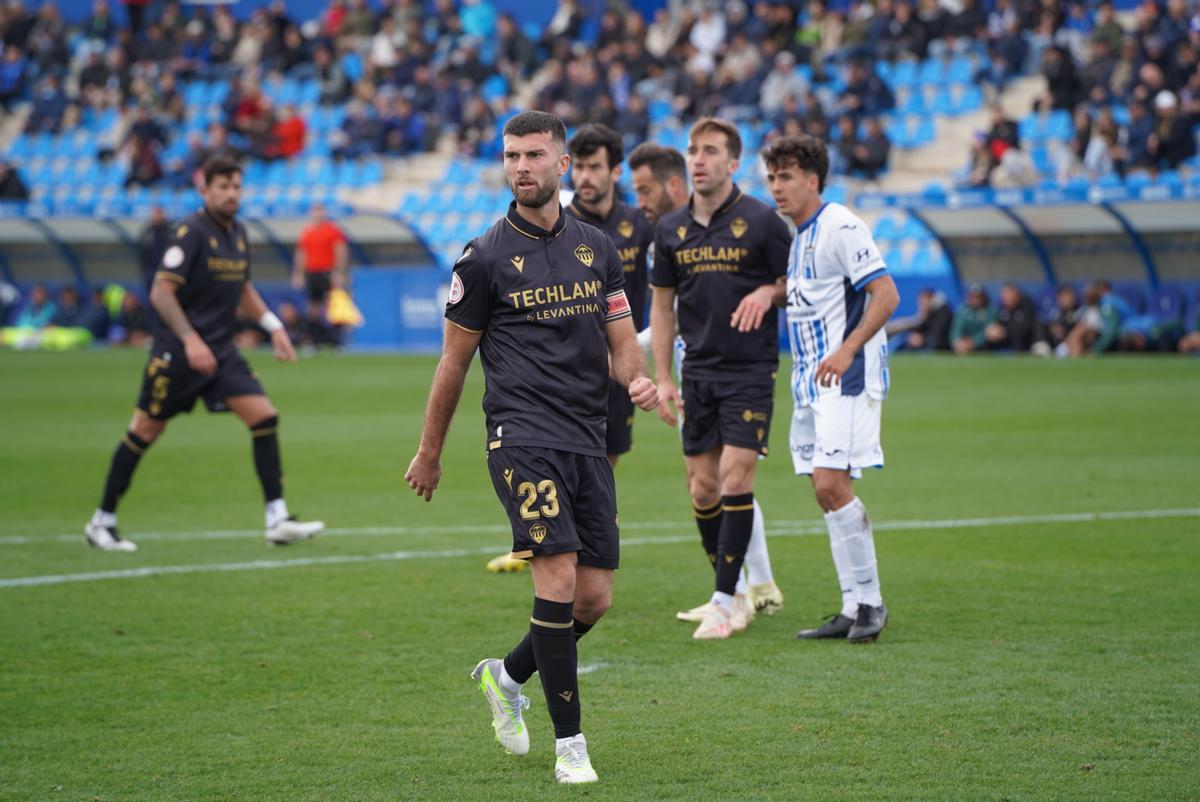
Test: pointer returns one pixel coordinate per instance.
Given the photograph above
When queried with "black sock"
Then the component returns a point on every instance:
(708, 521)
(737, 522)
(120, 470)
(519, 663)
(552, 633)
(266, 457)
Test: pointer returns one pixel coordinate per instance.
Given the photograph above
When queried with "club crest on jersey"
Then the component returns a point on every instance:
(585, 254)
(212, 241)
(456, 289)
(625, 229)
(682, 232)
(181, 232)
(739, 227)
(537, 532)
(519, 263)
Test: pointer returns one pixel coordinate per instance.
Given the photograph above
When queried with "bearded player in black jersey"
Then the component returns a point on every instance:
(201, 284)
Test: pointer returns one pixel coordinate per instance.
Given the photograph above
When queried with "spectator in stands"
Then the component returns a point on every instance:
(145, 128)
(516, 56)
(781, 82)
(335, 88)
(1104, 153)
(663, 34)
(402, 129)
(48, 42)
(1066, 314)
(478, 19)
(478, 131)
(152, 244)
(1016, 326)
(195, 54)
(288, 134)
(968, 332)
(1064, 89)
(359, 133)
(40, 310)
(293, 321)
(100, 28)
(866, 94)
(1172, 142)
(927, 330)
(1135, 138)
(136, 10)
(566, 23)
(12, 77)
(133, 323)
(12, 188)
(318, 267)
(49, 105)
(634, 122)
(145, 170)
(1099, 322)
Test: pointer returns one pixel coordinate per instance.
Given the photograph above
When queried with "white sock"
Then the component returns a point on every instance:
(854, 526)
(740, 589)
(276, 511)
(507, 683)
(722, 600)
(102, 518)
(758, 561)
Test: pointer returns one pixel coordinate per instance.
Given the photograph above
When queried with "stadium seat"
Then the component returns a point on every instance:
(1169, 303)
(1134, 295)
(886, 228)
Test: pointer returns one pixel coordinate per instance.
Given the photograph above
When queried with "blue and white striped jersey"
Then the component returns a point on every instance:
(832, 259)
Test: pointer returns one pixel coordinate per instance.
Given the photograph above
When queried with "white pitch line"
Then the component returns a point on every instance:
(799, 529)
(774, 527)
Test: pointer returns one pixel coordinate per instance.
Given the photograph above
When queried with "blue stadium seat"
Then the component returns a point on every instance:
(1137, 180)
(960, 71)
(1169, 303)
(904, 74)
(914, 229)
(942, 103)
(1134, 295)
(886, 228)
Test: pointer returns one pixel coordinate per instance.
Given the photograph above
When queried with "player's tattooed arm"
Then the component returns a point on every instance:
(162, 297)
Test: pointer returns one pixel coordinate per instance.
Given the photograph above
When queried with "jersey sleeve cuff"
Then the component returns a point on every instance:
(170, 277)
(867, 279)
(464, 328)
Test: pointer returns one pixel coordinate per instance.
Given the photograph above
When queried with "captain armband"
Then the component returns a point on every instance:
(618, 306)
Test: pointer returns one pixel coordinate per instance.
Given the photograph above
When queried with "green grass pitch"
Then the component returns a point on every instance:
(1029, 656)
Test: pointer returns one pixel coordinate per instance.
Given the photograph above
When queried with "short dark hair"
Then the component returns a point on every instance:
(595, 136)
(220, 166)
(537, 122)
(663, 162)
(733, 140)
(804, 151)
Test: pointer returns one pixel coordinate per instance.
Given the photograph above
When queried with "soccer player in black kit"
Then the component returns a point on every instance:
(724, 256)
(596, 154)
(202, 282)
(542, 296)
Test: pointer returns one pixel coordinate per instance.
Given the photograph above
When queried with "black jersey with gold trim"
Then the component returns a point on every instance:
(210, 262)
(712, 268)
(633, 234)
(541, 300)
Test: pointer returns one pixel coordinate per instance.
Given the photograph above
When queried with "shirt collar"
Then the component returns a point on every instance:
(527, 228)
(587, 216)
(734, 196)
(800, 228)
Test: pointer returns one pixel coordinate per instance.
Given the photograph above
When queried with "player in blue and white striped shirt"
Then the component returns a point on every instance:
(839, 296)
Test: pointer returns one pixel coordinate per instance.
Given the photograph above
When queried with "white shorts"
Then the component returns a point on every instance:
(837, 432)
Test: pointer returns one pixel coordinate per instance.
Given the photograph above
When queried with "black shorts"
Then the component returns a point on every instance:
(727, 413)
(620, 419)
(317, 285)
(558, 501)
(170, 387)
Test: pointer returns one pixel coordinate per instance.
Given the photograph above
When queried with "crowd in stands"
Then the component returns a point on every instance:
(415, 74)
(1072, 324)
(108, 315)
(1127, 87)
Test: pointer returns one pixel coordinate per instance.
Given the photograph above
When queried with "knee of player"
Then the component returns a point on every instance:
(832, 493)
(591, 609)
(147, 429)
(704, 492)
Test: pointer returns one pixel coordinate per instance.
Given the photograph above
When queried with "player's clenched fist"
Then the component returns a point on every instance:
(643, 393)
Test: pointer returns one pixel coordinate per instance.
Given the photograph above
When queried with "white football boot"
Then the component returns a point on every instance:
(572, 764)
(104, 536)
(716, 625)
(507, 719)
(289, 530)
(694, 615)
